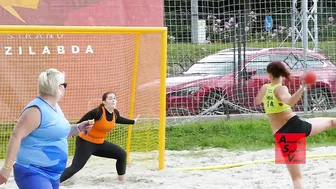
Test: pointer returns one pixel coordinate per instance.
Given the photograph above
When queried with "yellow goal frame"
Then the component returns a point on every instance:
(34, 29)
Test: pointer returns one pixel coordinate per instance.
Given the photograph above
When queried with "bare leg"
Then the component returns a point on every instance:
(296, 175)
(321, 124)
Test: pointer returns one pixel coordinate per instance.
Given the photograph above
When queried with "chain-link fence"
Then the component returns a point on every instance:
(218, 52)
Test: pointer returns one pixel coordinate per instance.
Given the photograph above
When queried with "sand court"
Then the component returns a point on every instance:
(100, 173)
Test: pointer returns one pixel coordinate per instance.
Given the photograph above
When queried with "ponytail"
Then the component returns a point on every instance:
(285, 73)
(277, 69)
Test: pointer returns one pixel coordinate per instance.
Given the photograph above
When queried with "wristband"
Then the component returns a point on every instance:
(6, 166)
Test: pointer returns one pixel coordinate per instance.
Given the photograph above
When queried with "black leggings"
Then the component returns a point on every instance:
(85, 149)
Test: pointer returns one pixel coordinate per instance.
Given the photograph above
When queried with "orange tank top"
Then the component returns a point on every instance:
(100, 129)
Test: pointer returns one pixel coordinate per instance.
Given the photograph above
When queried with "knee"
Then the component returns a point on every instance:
(122, 155)
(295, 172)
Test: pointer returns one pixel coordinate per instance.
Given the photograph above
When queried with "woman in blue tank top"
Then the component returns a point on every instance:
(38, 144)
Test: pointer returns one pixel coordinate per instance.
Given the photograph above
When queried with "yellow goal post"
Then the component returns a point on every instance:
(129, 61)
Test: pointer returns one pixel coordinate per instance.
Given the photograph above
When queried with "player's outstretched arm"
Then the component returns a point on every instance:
(122, 120)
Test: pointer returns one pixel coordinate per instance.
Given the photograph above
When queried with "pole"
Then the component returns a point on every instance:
(305, 45)
(194, 21)
(244, 51)
(240, 95)
(234, 40)
(294, 12)
(315, 11)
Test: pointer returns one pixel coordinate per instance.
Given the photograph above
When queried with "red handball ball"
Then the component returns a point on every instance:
(309, 77)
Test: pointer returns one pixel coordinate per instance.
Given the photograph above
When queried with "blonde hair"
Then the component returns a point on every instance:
(49, 81)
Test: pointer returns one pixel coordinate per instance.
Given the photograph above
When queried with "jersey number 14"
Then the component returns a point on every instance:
(270, 103)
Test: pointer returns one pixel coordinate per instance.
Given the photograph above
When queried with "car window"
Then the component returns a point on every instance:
(259, 64)
(291, 61)
(312, 62)
(211, 68)
(278, 57)
(294, 61)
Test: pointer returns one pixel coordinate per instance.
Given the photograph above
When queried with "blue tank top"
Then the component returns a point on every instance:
(45, 150)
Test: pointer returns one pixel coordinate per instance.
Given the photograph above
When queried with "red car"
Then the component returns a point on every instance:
(212, 86)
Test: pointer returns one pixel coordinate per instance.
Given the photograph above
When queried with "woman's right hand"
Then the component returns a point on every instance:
(85, 126)
(4, 175)
(303, 84)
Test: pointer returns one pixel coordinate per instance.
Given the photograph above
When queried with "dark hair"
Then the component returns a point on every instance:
(277, 69)
(104, 97)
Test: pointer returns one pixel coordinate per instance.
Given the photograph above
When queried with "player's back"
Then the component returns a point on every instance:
(277, 111)
(272, 105)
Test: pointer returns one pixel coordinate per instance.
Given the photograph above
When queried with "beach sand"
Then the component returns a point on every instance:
(100, 173)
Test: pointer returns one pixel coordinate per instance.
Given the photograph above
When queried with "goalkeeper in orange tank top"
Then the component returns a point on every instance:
(94, 143)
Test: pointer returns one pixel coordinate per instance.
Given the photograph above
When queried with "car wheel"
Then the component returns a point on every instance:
(212, 105)
(319, 99)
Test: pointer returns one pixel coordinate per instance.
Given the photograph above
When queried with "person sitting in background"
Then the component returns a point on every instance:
(93, 143)
(39, 139)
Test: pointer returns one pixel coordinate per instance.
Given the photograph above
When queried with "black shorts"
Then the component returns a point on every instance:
(296, 125)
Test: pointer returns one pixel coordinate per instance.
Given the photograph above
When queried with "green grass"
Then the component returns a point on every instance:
(230, 134)
(180, 52)
(233, 135)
